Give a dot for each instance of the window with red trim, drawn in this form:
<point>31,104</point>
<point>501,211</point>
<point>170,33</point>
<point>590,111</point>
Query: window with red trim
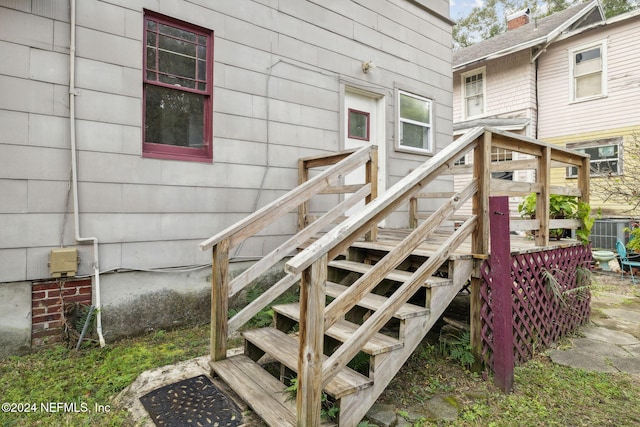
<point>178,88</point>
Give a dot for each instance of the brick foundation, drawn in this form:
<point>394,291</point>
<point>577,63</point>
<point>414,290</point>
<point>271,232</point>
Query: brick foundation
<point>49,300</point>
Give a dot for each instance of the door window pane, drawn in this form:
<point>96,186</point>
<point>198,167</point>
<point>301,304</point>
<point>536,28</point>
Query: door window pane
<point>358,125</point>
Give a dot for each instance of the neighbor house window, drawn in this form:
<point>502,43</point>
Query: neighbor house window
<point>588,72</point>
<point>473,87</point>
<point>501,155</point>
<point>414,122</point>
<point>606,157</point>
<point>178,87</point>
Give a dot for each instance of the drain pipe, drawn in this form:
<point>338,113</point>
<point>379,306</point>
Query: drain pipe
<point>74,170</point>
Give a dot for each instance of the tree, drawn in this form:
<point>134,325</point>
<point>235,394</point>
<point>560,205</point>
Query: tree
<point>625,188</point>
<point>490,19</point>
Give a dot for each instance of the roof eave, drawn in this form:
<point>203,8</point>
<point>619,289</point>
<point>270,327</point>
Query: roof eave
<point>501,53</point>
<point>546,40</point>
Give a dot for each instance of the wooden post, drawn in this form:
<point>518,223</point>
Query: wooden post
<point>480,238</point>
<point>413,212</point>
<point>303,208</point>
<point>501,292</point>
<point>371,177</point>
<point>311,336</point>
<point>220,300</point>
<point>542,199</point>
<point>584,174</point>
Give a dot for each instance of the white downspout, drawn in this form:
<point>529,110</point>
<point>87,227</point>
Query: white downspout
<point>74,171</point>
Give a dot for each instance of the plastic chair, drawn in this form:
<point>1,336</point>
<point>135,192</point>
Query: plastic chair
<point>624,260</point>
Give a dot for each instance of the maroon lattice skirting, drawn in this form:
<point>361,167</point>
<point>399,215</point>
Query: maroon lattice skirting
<point>550,299</point>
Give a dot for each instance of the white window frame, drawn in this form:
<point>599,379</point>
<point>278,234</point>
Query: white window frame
<point>579,146</point>
<point>399,120</point>
<point>603,72</point>
<point>482,71</point>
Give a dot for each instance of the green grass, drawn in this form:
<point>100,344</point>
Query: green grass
<point>92,376</point>
<point>544,394</point>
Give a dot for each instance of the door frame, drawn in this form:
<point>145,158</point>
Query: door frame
<point>379,98</point>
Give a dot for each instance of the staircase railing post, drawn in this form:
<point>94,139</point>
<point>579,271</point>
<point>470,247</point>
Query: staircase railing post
<point>312,304</point>
<point>303,208</point>
<point>219,300</point>
<point>480,237</point>
<point>371,177</point>
<point>543,177</point>
<point>413,212</point>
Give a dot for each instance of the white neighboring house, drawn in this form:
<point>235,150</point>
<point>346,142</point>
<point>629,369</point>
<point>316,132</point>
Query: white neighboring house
<point>183,117</point>
<point>504,81</point>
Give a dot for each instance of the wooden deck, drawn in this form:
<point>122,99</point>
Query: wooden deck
<point>388,239</point>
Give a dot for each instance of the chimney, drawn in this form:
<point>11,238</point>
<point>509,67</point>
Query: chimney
<point>517,19</point>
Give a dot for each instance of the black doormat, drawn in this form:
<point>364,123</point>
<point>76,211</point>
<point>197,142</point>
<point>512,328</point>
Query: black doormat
<point>192,402</point>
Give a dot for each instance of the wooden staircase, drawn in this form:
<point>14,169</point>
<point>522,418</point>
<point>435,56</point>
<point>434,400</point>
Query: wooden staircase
<point>362,297</point>
<point>386,351</point>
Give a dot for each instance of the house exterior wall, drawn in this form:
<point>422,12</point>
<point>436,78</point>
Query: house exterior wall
<point>510,93</point>
<point>510,88</point>
<point>561,117</point>
<point>280,71</point>
<point>559,176</point>
<point>615,115</point>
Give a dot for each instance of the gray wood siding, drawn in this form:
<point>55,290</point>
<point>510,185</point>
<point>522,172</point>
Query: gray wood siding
<point>278,69</point>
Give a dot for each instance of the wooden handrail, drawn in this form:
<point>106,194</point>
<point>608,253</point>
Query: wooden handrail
<point>289,201</point>
<point>348,299</point>
<point>348,231</point>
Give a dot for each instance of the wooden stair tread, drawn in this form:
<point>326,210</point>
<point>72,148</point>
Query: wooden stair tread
<point>260,390</point>
<point>343,329</point>
<point>374,302</point>
<point>396,275</point>
<point>284,348</point>
<point>424,250</point>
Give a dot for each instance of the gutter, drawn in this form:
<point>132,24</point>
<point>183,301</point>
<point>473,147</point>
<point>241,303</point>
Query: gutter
<point>74,171</point>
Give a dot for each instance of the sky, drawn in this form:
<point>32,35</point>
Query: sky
<point>461,8</point>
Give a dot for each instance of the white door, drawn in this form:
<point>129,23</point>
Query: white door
<point>364,125</point>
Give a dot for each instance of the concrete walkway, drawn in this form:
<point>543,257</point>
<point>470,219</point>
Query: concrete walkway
<point>611,341</point>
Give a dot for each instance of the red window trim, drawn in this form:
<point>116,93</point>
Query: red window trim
<point>173,152</point>
<point>349,124</point>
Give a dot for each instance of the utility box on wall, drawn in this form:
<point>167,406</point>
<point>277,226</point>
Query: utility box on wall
<point>63,262</point>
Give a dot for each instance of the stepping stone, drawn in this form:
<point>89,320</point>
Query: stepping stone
<point>609,336</point>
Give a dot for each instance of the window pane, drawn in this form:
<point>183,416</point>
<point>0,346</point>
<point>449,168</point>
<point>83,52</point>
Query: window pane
<point>588,55</point>
<point>151,58</point>
<point>588,85</point>
<point>415,136</point>
<point>414,109</point>
<point>173,117</point>
<point>202,70</point>
<point>177,46</point>
<point>473,85</point>
<point>176,65</point>
<point>177,33</point>
<point>474,106</point>
<point>358,125</point>
<point>588,67</point>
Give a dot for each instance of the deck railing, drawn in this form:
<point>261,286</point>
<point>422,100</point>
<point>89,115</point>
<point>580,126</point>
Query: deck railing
<point>543,159</point>
<point>222,288</point>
